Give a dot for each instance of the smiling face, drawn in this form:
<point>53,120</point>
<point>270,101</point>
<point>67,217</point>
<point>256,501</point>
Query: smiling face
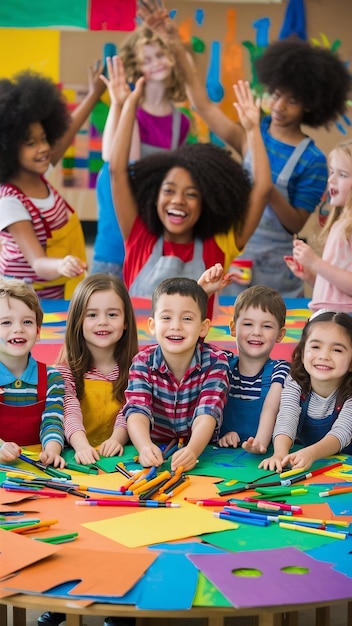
<point>177,324</point>
<point>340,177</point>
<point>179,205</point>
<point>256,332</point>
<point>104,320</point>
<point>35,152</point>
<point>327,356</point>
<point>155,65</point>
<point>18,330</point>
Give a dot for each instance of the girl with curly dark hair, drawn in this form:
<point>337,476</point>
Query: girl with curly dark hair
<point>307,85</point>
<point>41,237</point>
<point>184,210</point>
<point>316,401</point>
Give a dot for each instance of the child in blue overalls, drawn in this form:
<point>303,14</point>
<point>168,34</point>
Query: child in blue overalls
<point>316,402</point>
<point>256,380</point>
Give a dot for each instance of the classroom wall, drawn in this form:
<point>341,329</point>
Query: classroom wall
<point>332,18</point>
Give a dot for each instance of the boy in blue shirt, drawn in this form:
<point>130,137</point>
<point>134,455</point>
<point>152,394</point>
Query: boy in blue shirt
<point>256,380</point>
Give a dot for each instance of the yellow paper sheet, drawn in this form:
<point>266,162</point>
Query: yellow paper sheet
<point>29,48</point>
<point>159,525</point>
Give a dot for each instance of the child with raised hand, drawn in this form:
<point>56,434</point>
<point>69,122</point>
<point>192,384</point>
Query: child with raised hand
<point>178,388</point>
<point>307,85</point>
<point>32,393</point>
<point>256,380</point>
<point>100,341</point>
<point>316,401</point>
<point>191,207</point>
<point>331,274</point>
<point>159,126</point>
<point>41,237</point>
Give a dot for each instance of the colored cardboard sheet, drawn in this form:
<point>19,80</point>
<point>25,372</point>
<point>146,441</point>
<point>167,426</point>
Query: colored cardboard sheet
<point>22,48</point>
<point>272,577</point>
<point>16,14</point>
<point>117,15</point>
<point>338,554</point>
<point>229,464</point>
<point>247,537</point>
<point>340,505</point>
<point>208,595</point>
<point>155,525</point>
<point>96,572</point>
<point>17,552</point>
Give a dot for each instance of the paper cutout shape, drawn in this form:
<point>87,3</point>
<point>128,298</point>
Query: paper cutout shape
<point>273,586</point>
<point>97,572</point>
<point>54,13</point>
<point>231,65</point>
<point>22,48</point>
<point>213,83</point>
<point>16,552</point>
<point>117,15</point>
<point>339,554</point>
<point>156,525</point>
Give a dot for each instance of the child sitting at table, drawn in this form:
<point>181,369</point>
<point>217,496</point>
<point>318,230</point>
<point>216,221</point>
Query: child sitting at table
<point>31,393</point>
<point>256,380</point>
<point>179,387</point>
<point>100,341</point>
<point>316,401</point>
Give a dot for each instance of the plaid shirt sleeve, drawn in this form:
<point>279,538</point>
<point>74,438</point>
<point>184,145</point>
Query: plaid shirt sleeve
<point>215,385</point>
<point>138,394</point>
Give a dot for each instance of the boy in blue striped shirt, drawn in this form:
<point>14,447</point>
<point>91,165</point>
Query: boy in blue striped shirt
<point>31,393</point>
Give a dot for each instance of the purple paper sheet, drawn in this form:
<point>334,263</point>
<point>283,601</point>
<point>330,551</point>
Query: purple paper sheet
<point>273,586</point>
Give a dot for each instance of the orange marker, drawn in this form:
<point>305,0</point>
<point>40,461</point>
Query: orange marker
<point>151,483</point>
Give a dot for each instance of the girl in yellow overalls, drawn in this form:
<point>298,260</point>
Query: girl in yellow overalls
<point>41,239</point>
<point>100,341</point>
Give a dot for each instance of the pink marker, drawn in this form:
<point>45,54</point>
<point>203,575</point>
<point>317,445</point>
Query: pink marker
<point>276,505</point>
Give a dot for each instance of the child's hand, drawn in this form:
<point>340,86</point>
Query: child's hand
<point>50,457</point>
<point>212,279</point>
<point>184,457</point>
<point>273,462</point>
<point>248,110</point>
<point>156,17</point>
<point>254,446</point>
<point>111,447</point>
<point>95,85</point>
<point>302,459</point>
<point>230,440</point>
<point>71,266</point>
<point>9,451</point>
<point>150,455</point>
<point>116,82</point>
<point>86,455</point>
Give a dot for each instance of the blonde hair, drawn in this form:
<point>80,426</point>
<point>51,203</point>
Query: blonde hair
<point>336,212</point>
<point>131,53</point>
<point>75,352</point>
<point>18,289</point>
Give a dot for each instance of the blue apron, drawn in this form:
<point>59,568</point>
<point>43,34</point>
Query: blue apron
<point>242,416</point>
<point>311,430</point>
<point>271,241</point>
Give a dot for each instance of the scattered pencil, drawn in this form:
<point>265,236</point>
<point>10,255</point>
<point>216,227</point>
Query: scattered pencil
<point>130,503</point>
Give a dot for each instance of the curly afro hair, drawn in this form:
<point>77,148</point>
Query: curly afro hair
<point>315,76</point>
<point>223,184</point>
<point>27,98</point>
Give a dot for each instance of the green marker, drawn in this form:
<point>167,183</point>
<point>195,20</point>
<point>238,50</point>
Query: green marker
<point>58,538</point>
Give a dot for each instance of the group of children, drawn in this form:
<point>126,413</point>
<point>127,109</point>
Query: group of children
<point>183,212</point>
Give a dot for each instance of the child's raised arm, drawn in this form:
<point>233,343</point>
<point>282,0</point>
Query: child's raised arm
<point>156,17</point>
<point>124,201</point>
<point>249,114</point>
<point>96,89</point>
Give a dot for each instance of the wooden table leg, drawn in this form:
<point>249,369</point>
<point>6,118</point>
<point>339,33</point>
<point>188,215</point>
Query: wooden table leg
<point>349,614</point>
<point>3,614</point>
<point>291,619</point>
<point>270,619</point>
<point>322,616</point>
<point>73,619</point>
<point>19,616</point>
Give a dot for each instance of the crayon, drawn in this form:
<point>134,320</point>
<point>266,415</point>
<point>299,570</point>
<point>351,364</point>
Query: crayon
<point>151,483</point>
<point>336,491</point>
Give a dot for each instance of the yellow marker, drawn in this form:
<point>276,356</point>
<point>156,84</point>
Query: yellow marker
<point>313,520</point>
<point>313,531</point>
<point>292,472</point>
